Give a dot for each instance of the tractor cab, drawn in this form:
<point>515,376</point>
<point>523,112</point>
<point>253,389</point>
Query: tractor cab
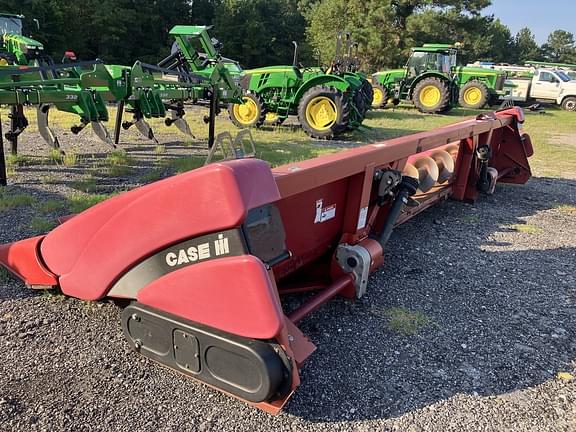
<point>431,58</point>
<point>11,24</point>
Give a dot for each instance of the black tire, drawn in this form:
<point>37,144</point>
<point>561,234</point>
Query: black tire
<point>473,95</point>
<point>7,58</point>
<point>377,90</point>
<point>368,93</point>
<point>569,103</point>
<point>336,122</point>
<point>441,102</point>
<point>255,119</point>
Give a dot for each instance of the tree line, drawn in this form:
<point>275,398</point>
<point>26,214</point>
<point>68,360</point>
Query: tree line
<point>259,32</point>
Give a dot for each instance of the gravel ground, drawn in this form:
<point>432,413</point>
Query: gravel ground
<point>500,304</point>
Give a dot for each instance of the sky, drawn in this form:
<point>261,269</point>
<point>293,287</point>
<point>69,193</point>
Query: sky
<point>540,16</point>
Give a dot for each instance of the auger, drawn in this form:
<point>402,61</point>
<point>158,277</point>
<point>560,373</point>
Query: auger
<point>204,258</point>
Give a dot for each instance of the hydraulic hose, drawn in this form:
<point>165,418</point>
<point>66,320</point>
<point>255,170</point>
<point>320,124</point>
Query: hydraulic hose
<point>406,189</point>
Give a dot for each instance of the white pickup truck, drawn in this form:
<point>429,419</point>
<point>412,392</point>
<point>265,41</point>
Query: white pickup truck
<point>546,86</point>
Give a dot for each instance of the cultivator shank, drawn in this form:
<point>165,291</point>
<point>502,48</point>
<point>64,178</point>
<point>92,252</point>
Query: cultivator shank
<point>225,242</point>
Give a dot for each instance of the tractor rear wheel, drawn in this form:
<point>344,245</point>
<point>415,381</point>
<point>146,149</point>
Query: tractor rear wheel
<point>249,114</point>
<point>323,112</point>
<point>473,95</point>
<point>380,96</point>
<point>569,104</point>
<point>431,95</point>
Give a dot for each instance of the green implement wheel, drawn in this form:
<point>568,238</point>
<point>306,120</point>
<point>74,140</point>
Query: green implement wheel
<point>380,96</point>
<point>473,95</point>
<point>323,112</point>
<point>431,95</point>
<point>251,113</point>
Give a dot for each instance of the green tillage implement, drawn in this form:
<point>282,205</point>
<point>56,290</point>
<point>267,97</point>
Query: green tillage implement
<point>147,91</point>
<point>433,82</point>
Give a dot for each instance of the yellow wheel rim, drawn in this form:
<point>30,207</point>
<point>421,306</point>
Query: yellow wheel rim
<point>472,96</point>
<point>246,113</point>
<point>271,117</point>
<point>430,96</point>
<point>321,113</point>
<point>3,62</point>
<point>378,96</point>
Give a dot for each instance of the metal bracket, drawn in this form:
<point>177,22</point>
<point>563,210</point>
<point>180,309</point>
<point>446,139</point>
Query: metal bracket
<point>238,148</point>
<point>356,260</point>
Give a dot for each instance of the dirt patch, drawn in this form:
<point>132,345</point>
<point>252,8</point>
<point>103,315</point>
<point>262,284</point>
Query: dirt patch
<point>563,139</point>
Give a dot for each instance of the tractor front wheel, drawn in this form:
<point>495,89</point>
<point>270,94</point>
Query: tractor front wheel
<point>249,114</point>
<point>569,104</point>
<point>323,112</point>
<point>7,58</point>
<point>431,95</point>
<point>380,96</point>
<point>473,95</point>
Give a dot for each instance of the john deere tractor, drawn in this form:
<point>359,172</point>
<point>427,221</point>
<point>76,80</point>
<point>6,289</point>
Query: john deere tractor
<point>15,48</point>
<point>325,103</point>
<point>433,82</point>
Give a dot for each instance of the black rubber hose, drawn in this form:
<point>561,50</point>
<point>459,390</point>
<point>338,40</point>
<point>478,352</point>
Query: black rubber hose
<point>406,189</point>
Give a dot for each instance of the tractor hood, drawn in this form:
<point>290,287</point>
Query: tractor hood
<point>390,72</point>
<point>27,42</point>
<point>477,70</point>
<point>270,69</point>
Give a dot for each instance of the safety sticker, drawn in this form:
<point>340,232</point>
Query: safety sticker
<point>324,213</point>
<point>362,217</point>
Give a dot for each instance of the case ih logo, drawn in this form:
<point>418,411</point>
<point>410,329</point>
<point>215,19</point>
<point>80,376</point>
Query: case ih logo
<point>200,252</point>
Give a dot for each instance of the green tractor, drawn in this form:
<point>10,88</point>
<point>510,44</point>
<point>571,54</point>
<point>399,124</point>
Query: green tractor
<point>347,64</point>
<point>433,82</point>
<point>15,48</point>
<point>324,102</point>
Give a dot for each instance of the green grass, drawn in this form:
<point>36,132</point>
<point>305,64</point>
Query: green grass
<point>18,160</point>
<point>567,209</point>
<point>553,136</point>
<point>87,184</point>
<point>79,203</point>
<point>10,201</point>
<point>405,321</point>
<point>152,175</point>
<point>52,206</point>
<point>71,159</point>
<point>526,228</point>
<point>55,157</point>
<point>49,179</point>
<point>471,218</point>
<point>183,164</point>
<point>41,225</point>
<point>117,163</point>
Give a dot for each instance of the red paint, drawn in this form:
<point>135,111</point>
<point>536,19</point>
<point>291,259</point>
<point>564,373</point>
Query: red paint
<point>232,294</point>
<point>90,251</point>
<point>22,259</point>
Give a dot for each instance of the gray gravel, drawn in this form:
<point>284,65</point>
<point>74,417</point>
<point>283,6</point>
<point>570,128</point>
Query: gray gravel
<point>501,305</point>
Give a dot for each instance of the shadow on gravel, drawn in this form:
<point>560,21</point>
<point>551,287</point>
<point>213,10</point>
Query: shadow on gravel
<point>502,311</point>
<point>501,306</point>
